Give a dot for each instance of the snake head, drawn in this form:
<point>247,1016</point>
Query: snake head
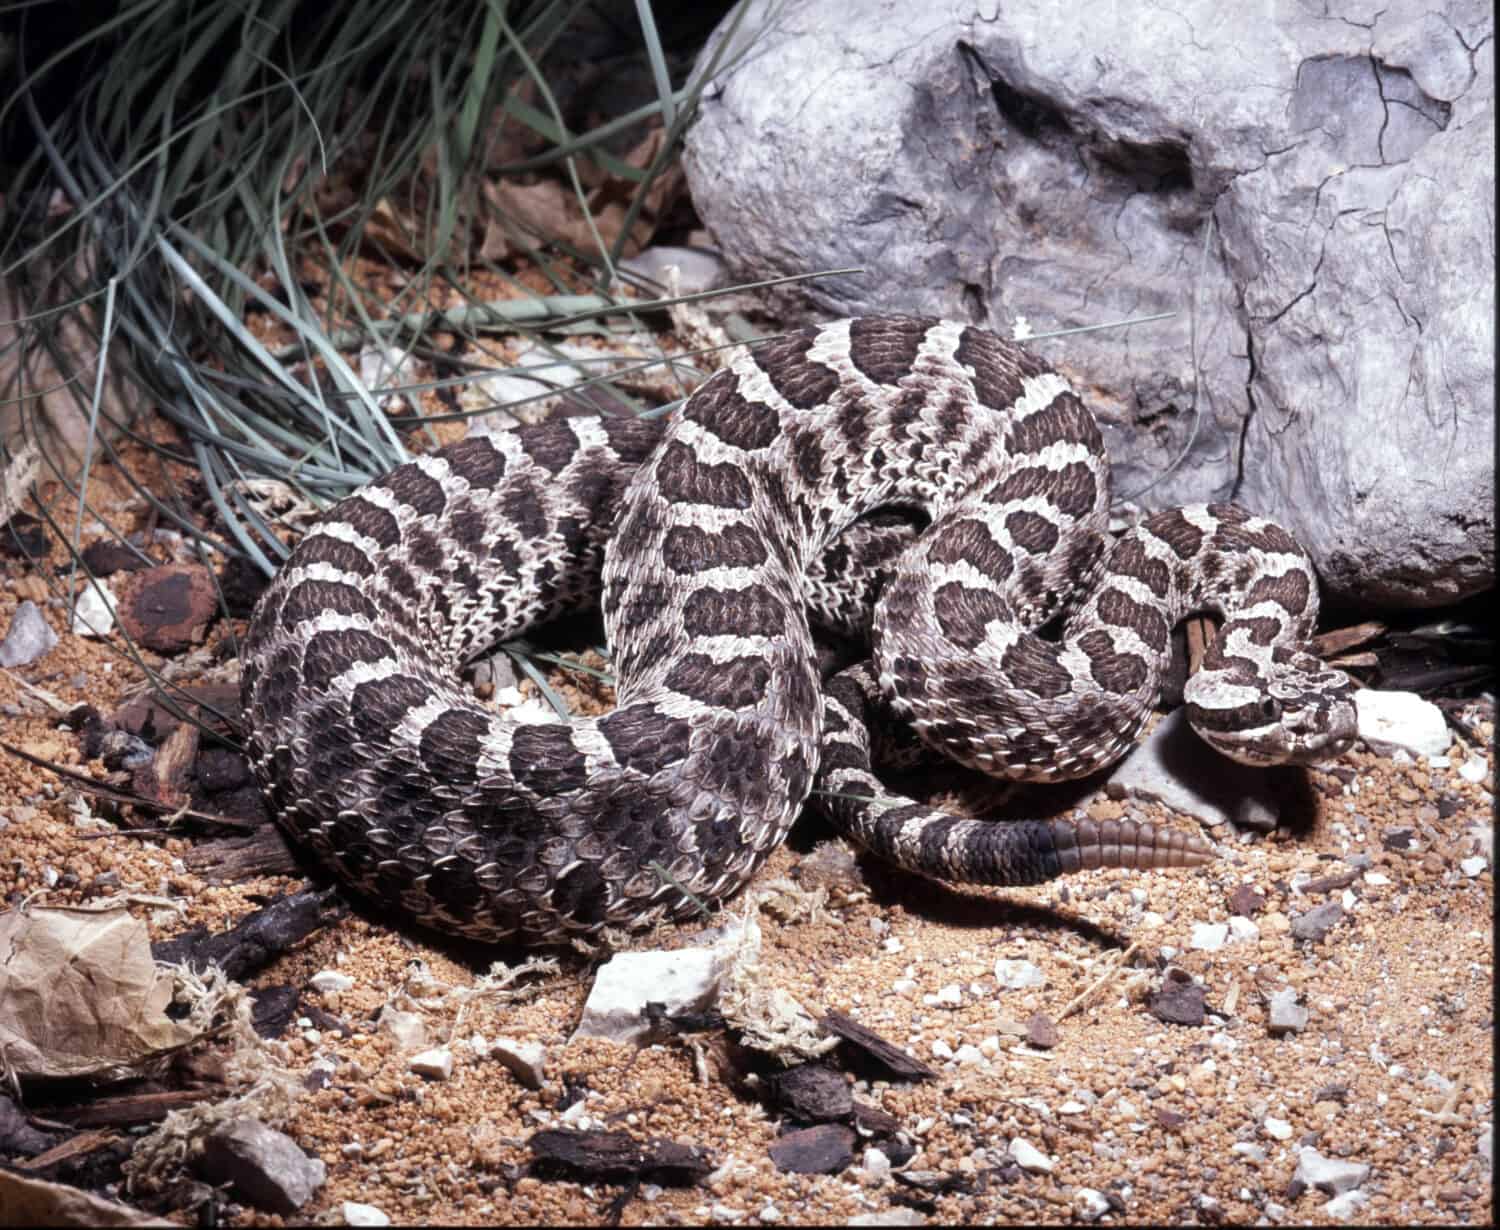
<point>1302,714</point>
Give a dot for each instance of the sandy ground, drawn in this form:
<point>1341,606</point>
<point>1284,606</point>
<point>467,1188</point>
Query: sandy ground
<point>1139,1120</point>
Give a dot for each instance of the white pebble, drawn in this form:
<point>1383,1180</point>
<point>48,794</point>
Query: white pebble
<point>941,1050</point>
<point>1473,769</point>
<point>356,1214</point>
<point>1092,1204</point>
<point>1472,867</point>
<point>876,1163</point>
<point>1028,1157</point>
<point>1017,975</point>
<point>949,996</point>
<point>1377,879</point>
<point>1209,937</point>
<point>968,1055</point>
<point>1243,929</point>
<point>93,611</point>
<point>1278,1129</point>
<point>905,986</point>
<point>327,980</point>
<point>436,1063</point>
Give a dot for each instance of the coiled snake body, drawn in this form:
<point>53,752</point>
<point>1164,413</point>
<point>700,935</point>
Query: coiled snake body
<point>717,534</point>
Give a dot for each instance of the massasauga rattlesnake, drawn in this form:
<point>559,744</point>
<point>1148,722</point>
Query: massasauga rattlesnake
<point>709,540</point>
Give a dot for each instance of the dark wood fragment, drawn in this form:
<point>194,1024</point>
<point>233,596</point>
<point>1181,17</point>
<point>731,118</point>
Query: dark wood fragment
<point>251,943</point>
<point>24,537</point>
<point>74,1147</point>
<point>230,860</point>
<point>1329,884</point>
<point>167,607</point>
<point>868,1046</point>
<point>616,1157</point>
<point>129,1108</point>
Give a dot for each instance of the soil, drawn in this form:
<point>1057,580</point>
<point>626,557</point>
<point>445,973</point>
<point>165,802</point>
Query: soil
<point>1136,1119</point>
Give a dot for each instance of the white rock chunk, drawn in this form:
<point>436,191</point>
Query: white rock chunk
<point>526,1060</point>
<point>407,1028</point>
<point>1017,975</point>
<point>1401,721</point>
<point>683,980</point>
<point>1209,937</point>
<point>331,981</point>
<point>93,611</point>
<point>356,1214</point>
<point>1028,1157</point>
<point>436,1064</point>
<point>1332,1175</point>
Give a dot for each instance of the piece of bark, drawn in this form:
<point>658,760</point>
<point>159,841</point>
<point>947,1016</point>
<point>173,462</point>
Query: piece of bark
<point>616,1157</point>
<point>1326,644</point>
<point>129,1108</point>
<point>75,1146</point>
<point>870,1047</point>
<point>232,860</point>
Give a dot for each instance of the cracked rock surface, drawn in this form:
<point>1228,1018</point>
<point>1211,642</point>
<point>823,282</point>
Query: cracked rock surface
<point>1024,164</point>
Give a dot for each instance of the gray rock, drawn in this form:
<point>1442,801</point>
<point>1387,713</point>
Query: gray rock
<point>30,637</point>
<point>698,269</point>
<point>265,1165</point>
<point>1318,922</point>
<point>1287,1016</point>
<point>1331,1175</point>
<point>980,166</point>
<point>1177,768</point>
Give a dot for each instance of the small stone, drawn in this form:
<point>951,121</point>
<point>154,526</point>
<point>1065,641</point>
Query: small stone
<point>1286,1015</point>
<point>1474,769</point>
<point>968,1055</point>
<point>1277,1129</point>
<point>1092,1204</point>
<point>1242,930</point>
<point>266,1166</point>
<point>1250,1150</point>
<point>330,981</point>
<point>356,1214</point>
<point>825,1149</point>
<point>950,996</point>
<point>408,1029</point>
<point>877,1165</point>
<point>1018,975</point>
<point>1474,866</point>
<point>1041,1031</point>
<point>168,608</point>
<point>30,637</point>
<point>436,1064</point>
<point>941,1050</point>
<point>1208,937</point>
<point>1392,721</point>
<point>94,611</point>
<point>897,1215</point>
<point>527,1061</point>
<point>1180,1001</point>
<point>1316,923</point>
<point>1346,1206</point>
<point>1331,1175</point>
<point>1246,901</point>
<point>1028,1157</point>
